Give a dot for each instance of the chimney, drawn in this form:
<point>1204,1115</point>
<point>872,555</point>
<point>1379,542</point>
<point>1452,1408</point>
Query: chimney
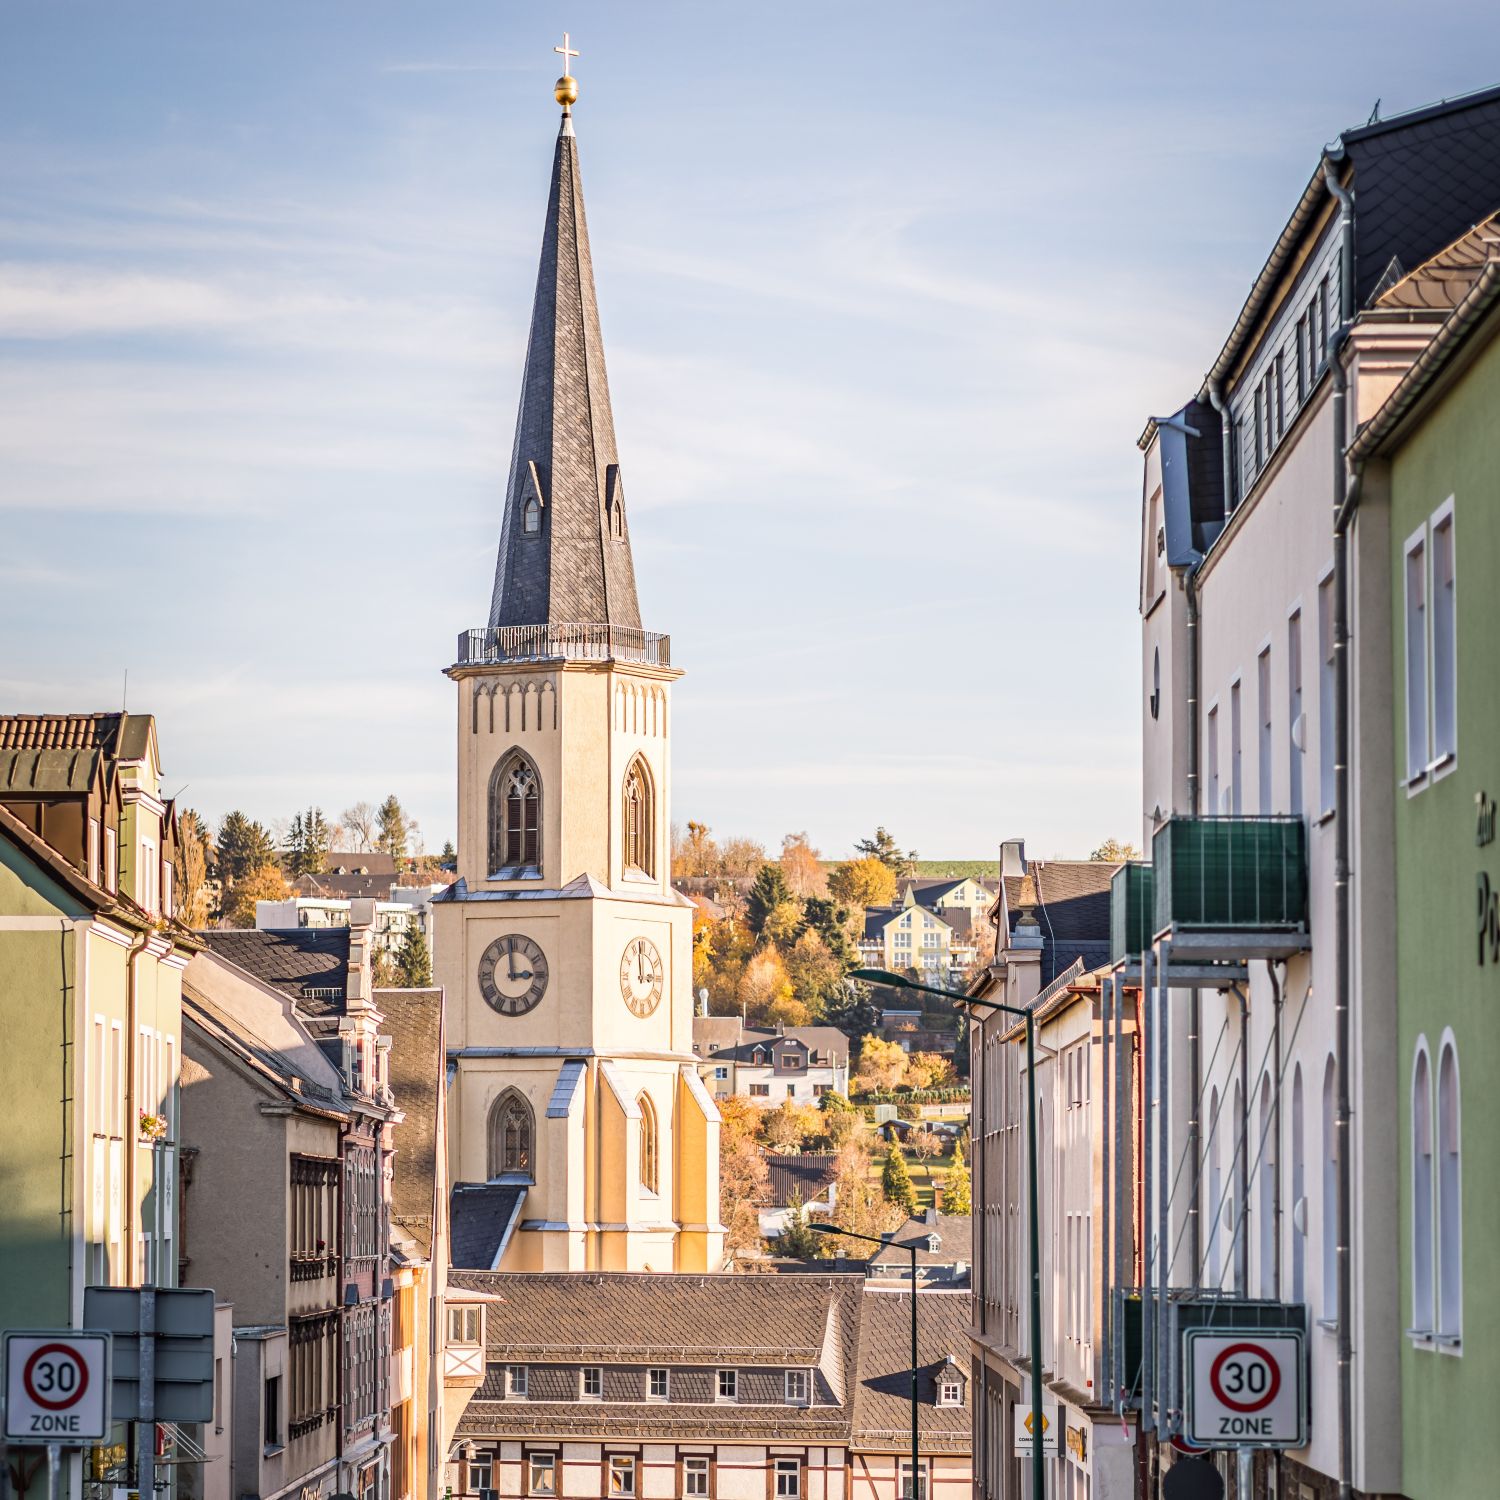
<point>360,985</point>
<point>930,1217</point>
<point>1013,858</point>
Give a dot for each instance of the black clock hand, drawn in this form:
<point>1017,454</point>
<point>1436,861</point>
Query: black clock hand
<point>640,964</point>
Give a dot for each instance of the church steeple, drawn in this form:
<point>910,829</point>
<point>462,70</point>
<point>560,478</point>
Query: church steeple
<point>564,540</point>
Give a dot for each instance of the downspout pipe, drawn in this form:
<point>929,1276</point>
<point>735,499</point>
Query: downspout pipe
<point>1346,498</point>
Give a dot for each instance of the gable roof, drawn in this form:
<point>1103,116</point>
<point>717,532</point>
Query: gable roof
<point>803,1177</point>
<point>482,1217</point>
<point>1071,907</point>
<point>120,736</point>
<point>307,963</point>
<point>882,1397</point>
<point>954,1231</point>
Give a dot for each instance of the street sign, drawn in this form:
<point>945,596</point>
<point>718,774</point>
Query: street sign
<point>1026,1424</point>
<point>166,1332</point>
<point>1246,1388</point>
<point>57,1388</point>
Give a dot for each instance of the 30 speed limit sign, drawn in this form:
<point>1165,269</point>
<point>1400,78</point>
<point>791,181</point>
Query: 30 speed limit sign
<point>57,1387</point>
<point>1245,1388</point>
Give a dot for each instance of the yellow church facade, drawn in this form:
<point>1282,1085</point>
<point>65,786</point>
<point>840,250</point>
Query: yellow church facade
<point>580,1135</point>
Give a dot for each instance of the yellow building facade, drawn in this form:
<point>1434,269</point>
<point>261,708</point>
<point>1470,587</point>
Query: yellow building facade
<point>580,1135</point>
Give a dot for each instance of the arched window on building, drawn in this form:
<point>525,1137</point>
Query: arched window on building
<point>1215,1190</point>
<point>511,1133</point>
<point>1267,1206</point>
<point>531,517</point>
<point>1299,1192</point>
<point>1238,1257</point>
<point>649,1173</point>
<point>1329,1233</point>
<point>640,819</point>
<point>515,817</point>
<point>1450,1276</point>
<point>1423,1302</point>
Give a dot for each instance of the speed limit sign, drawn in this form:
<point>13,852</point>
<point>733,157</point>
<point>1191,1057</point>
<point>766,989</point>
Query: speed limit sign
<point>57,1387</point>
<point>1246,1388</point>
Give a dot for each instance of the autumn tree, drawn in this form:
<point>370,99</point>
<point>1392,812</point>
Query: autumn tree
<point>882,1066</point>
<point>863,882</point>
<point>924,1144</point>
<point>768,892</point>
<point>413,959</point>
<point>190,863</point>
<point>307,843</point>
<point>884,848</point>
<point>1114,852</point>
<point>896,1183</point>
<point>265,883</point>
<point>361,822</point>
<point>842,1123</point>
<point>956,1187</point>
<point>797,1237</point>
<point>764,986</point>
<point>742,1174</point>
<point>787,1011</point>
<point>789,1125</point>
<point>862,1207</point>
<point>243,845</point>
<point>722,948</point>
<point>816,975</point>
<point>802,866</point>
<point>694,853</point>
<point>740,859</point>
<point>928,1070</point>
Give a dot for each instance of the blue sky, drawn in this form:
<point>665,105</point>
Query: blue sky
<point>888,292</point>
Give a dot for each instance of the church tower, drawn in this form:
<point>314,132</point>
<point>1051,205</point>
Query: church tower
<point>565,953</point>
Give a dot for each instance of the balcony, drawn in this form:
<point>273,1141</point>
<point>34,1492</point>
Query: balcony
<point>1132,908</point>
<point>496,645</point>
<point>1232,887</point>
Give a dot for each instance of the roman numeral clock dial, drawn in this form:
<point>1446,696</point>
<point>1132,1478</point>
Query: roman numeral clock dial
<point>513,975</point>
<point>641,976</point>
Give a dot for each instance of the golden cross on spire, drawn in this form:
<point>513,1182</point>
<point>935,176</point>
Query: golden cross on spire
<point>566,91</point>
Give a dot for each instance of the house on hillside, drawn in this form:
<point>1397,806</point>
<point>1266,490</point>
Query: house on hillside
<point>801,1063</point>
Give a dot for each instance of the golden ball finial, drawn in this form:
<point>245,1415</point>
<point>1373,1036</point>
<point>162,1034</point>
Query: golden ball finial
<point>565,91</point>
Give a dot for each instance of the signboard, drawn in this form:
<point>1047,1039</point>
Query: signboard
<point>1026,1424</point>
<point>1246,1388</point>
<point>57,1388</point>
<point>170,1337</point>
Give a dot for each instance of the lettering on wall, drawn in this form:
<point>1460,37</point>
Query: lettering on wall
<point>1489,898</point>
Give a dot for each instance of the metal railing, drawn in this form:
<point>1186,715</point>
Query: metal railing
<point>576,642</point>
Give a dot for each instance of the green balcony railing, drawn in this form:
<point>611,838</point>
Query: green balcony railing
<point>1218,873</point>
<point>1131,910</point>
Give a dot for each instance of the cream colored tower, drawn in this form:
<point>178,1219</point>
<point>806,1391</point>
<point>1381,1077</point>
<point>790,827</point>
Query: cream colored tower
<point>564,951</point>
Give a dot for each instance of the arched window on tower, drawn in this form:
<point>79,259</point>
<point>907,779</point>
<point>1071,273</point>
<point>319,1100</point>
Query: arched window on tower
<point>640,819</point>
<point>511,1131</point>
<point>649,1176</point>
<point>1450,1298</point>
<point>515,817</point>
<point>531,517</point>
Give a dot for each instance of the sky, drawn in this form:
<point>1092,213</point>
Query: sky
<point>888,293</point>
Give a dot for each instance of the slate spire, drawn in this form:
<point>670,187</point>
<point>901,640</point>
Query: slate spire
<point>564,540</point>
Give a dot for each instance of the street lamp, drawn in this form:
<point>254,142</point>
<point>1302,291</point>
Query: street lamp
<point>911,1249</point>
<point>900,982</point>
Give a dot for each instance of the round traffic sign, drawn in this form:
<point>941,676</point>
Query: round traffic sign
<point>1245,1377</point>
<point>55,1377</point>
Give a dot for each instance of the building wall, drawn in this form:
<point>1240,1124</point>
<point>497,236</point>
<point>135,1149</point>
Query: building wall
<point>1441,984</point>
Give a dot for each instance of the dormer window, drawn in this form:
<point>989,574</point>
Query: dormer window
<point>934,1244</point>
<point>950,1393</point>
<point>531,517</point>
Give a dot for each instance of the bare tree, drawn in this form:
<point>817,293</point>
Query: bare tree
<point>360,822</point>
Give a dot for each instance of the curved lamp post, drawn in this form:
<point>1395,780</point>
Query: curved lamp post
<point>900,982</point>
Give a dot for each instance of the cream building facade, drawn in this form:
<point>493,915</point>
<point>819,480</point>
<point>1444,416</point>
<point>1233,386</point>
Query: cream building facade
<point>579,1128</point>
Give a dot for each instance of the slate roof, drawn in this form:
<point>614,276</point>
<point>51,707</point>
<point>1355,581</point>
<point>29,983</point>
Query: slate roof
<point>575,570</point>
<point>736,1042</point>
<point>1447,278</point>
<point>882,1399</point>
<point>955,1231</point>
<point>414,1022</point>
<point>298,961</point>
<point>482,1216</point>
<point>53,773</point>
<point>637,1318</point>
<point>1072,910</point>
<point>803,1176</point>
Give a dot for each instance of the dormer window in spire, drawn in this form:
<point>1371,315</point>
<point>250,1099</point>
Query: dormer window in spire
<point>614,502</point>
<point>531,517</point>
<point>515,818</point>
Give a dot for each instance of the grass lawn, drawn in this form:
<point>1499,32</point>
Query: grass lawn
<point>926,1176</point>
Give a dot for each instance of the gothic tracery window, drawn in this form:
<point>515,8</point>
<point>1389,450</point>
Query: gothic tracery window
<point>648,1144</point>
<point>640,834</point>
<point>510,1135</point>
<point>515,816</point>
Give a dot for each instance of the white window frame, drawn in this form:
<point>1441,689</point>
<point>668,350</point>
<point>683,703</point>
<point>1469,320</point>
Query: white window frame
<point>1417,692</point>
<point>517,1382</point>
<point>1423,1199</point>
<point>1211,741</point>
<point>462,1317</point>
<point>797,1387</point>
<point>481,1474</point>
<point>1236,749</point>
<point>548,1459</point>
<point>1296,711</point>
<point>584,1393</point>
<point>788,1473</point>
<point>625,1466</point>
<point>111,861</point>
<point>1327,688</point>
<point>731,1378</point>
<point>662,1375</point>
<point>696,1467</point>
<point>950,1392</point>
<point>1328,1301</point>
<point>1265,726</point>
<point>1442,614</point>
<point>903,1479</point>
<point>1448,1183</point>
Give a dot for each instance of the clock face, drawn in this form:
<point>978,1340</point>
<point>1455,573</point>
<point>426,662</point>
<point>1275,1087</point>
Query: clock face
<point>641,976</point>
<point>513,975</point>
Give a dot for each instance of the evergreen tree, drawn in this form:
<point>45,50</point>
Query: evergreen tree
<point>243,846</point>
<point>395,828</point>
<point>831,923</point>
<point>413,960</point>
<point>768,892</point>
<point>854,1013</point>
<point>884,848</point>
<point>956,1199</point>
<point>896,1183</point>
<point>448,859</point>
<point>797,1238</point>
<point>307,843</point>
